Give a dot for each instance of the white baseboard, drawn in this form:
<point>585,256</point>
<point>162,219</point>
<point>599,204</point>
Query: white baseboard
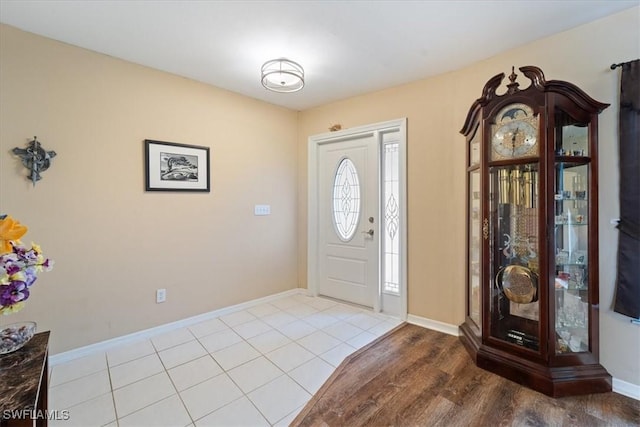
<point>626,389</point>
<point>445,328</point>
<point>67,356</point>
<point>619,386</point>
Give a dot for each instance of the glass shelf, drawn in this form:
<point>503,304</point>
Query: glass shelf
<point>572,199</point>
<point>571,160</point>
<point>573,289</point>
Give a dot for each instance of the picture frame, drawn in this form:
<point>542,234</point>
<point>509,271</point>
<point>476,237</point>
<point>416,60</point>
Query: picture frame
<point>170,166</point>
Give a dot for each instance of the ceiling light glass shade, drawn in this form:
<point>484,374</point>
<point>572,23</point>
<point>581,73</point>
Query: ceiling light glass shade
<point>282,75</point>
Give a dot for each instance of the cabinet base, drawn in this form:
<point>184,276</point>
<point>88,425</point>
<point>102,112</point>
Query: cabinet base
<point>552,381</point>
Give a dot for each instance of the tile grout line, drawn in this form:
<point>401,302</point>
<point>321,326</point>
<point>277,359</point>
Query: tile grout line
<point>113,397</point>
<point>246,394</point>
<point>166,371</point>
<point>157,353</point>
<point>298,317</point>
<point>246,340</point>
<point>224,371</point>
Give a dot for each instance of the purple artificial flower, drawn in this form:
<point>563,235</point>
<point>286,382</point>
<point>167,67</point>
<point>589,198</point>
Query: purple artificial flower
<point>13,293</point>
<point>19,268</point>
<point>12,268</point>
<point>8,258</point>
<point>30,256</point>
<point>5,295</point>
<point>30,276</point>
<point>18,250</point>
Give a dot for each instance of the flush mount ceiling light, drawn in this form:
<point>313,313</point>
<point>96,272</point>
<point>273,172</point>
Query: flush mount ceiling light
<point>282,75</point>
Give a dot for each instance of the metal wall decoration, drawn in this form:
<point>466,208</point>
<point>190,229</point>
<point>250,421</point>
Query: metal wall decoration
<point>35,158</point>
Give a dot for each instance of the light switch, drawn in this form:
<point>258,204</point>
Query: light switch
<point>262,210</point>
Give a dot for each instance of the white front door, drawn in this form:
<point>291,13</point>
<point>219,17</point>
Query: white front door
<point>357,216</point>
<point>348,216</point>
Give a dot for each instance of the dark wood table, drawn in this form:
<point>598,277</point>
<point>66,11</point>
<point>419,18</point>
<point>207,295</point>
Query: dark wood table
<point>23,384</point>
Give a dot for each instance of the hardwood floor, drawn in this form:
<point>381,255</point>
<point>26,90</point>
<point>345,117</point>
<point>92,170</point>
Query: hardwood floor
<point>414,376</point>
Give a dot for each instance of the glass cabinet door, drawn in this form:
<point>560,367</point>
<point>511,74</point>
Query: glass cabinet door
<point>572,137</point>
<point>571,235</point>
<point>513,252</point>
<point>475,215</point>
<point>474,244</point>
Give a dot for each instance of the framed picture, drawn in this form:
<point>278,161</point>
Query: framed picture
<point>176,167</point>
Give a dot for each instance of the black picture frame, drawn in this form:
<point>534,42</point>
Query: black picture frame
<point>170,166</point>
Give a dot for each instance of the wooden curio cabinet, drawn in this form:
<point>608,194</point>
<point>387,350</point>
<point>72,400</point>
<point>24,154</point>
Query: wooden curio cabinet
<point>532,235</point>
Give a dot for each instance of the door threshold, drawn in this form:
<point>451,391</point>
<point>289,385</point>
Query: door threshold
<point>360,306</point>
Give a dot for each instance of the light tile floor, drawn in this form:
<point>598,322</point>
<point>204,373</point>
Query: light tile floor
<point>255,367</point>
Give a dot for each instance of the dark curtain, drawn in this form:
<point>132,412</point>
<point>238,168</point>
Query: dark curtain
<point>627,300</point>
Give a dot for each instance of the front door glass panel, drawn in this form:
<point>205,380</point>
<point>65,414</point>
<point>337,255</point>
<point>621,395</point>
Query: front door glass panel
<point>346,199</point>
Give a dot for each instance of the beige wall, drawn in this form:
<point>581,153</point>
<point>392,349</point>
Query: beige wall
<point>436,109</point>
<point>114,244</point>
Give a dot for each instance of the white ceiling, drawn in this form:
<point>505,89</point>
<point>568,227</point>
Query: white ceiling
<point>346,47</point>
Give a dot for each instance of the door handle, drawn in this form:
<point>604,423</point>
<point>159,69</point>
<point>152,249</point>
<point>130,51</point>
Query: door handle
<point>370,232</point>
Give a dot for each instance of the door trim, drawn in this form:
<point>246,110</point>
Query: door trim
<point>314,142</point>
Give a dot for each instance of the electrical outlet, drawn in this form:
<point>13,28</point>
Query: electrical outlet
<point>161,295</point>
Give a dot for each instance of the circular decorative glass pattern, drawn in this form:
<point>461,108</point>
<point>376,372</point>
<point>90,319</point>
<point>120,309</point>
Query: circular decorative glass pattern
<point>346,199</point>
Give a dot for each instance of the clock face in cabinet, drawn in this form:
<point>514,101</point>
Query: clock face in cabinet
<point>515,133</point>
